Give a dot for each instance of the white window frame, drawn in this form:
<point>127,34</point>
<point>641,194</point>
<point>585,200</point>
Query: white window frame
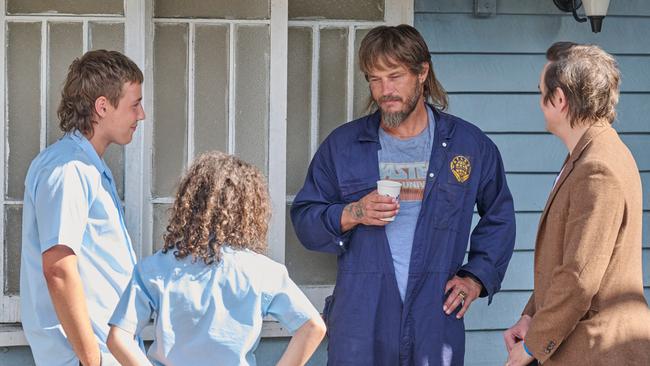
<point>396,12</point>
<point>10,305</point>
<point>138,44</point>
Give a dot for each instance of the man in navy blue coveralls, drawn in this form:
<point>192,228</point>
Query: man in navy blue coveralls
<point>402,288</point>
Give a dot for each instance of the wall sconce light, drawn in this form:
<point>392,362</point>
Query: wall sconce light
<point>595,10</point>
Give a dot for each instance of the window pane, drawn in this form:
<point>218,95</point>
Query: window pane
<point>12,245</point>
<point>65,6</point>
<point>241,9</point>
<point>160,221</point>
<point>337,9</point>
<point>252,94</point>
<point>66,44</point>
<point>23,103</point>
<point>211,88</point>
<point>299,107</point>
<point>361,90</point>
<point>332,80</point>
<point>170,107</point>
<point>109,36</point>
<point>307,267</point>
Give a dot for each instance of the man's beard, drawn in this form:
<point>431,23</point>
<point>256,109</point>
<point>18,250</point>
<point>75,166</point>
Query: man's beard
<point>394,119</point>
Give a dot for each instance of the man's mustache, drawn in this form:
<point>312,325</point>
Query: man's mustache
<point>390,98</point>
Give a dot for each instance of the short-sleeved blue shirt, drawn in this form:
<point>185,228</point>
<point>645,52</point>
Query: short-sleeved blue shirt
<point>209,314</point>
<point>71,199</point>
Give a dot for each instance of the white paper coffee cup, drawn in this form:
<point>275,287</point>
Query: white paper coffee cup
<point>389,188</point>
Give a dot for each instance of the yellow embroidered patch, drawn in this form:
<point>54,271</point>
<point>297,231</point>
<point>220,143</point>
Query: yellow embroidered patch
<point>461,167</point>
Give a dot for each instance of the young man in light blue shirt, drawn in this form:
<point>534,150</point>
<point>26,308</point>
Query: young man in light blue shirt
<point>77,256</point>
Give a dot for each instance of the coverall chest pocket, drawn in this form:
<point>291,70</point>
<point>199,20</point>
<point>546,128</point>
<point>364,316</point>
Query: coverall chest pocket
<point>353,191</point>
<point>448,206</point>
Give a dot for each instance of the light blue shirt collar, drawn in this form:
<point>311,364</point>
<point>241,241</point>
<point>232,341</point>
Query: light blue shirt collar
<point>88,148</point>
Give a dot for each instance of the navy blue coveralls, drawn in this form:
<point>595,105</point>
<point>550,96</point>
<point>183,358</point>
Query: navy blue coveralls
<point>367,322</point>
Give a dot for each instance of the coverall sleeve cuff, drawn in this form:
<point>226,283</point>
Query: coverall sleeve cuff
<point>333,223</point>
<point>490,283</point>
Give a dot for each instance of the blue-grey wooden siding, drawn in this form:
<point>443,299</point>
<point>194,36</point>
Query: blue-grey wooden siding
<point>490,67</point>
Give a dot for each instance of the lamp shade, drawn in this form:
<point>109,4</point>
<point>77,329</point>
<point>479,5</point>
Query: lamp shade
<point>595,8</point>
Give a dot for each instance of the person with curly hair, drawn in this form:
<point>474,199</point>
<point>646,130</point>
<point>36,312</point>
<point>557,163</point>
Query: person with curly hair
<point>210,286</point>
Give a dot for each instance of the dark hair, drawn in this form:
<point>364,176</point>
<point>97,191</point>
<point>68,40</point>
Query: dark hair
<point>588,77</point>
<point>402,44</point>
<point>95,74</point>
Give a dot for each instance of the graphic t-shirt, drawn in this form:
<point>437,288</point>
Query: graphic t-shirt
<point>405,161</point>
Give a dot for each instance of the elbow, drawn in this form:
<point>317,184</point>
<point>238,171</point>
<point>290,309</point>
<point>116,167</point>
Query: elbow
<point>117,340</point>
<point>317,328</point>
<point>54,273</point>
<point>59,264</point>
<point>112,341</point>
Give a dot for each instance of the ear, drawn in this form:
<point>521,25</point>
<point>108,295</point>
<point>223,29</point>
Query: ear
<point>560,100</point>
<point>425,71</point>
<point>101,104</point>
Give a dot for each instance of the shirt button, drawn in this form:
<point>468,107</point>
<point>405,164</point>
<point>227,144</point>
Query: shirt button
<point>444,144</point>
<point>341,243</point>
<point>431,175</point>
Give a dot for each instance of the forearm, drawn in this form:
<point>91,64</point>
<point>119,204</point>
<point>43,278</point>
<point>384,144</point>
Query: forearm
<point>350,216</point>
<point>303,343</point>
<point>125,349</point>
<point>67,294</point>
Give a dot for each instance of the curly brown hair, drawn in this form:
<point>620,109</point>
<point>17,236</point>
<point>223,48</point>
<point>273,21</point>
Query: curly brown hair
<point>221,200</point>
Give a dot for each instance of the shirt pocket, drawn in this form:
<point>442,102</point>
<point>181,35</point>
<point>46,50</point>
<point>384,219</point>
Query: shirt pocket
<point>448,206</point>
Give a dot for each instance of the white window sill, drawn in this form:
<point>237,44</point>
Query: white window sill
<point>12,335</point>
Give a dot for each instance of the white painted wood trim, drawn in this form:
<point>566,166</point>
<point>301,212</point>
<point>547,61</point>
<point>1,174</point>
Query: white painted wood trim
<point>315,65</point>
<point>350,73</point>
<point>164,200</point>
<point>277,142</point>
<point>45,32</point>
<point>231,87</point>
<point>138,37</point>
<point>4,300</point>
<point>13,335</point>
<point>86,36</point>
<point>399,12</point>
<point>190,92</point>
<point>50,17</point>
<point>214,21</point>
<point>333,23</point>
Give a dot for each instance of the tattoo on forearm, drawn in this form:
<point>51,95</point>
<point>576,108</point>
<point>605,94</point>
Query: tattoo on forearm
<point>356,210</point>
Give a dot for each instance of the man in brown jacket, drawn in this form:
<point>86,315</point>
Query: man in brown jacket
<point>587,307</point>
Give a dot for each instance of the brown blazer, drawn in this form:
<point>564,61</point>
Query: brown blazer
<point>588,306</point>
